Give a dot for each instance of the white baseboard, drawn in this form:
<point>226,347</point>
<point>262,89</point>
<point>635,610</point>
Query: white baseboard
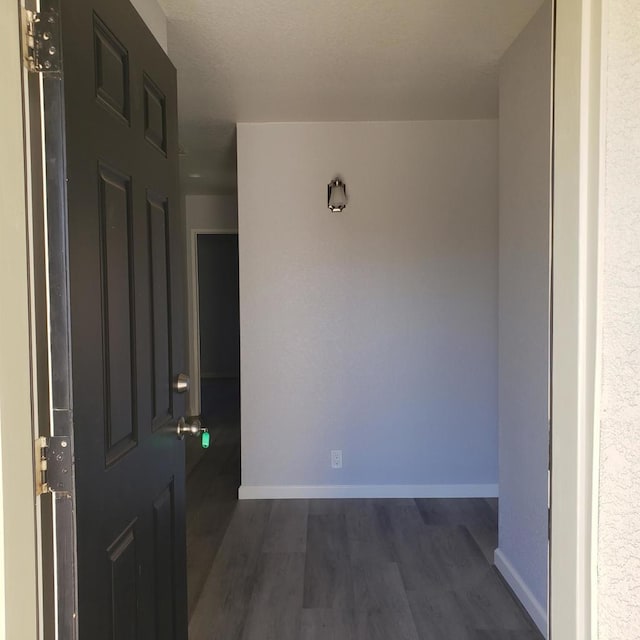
<point>522,591</point>
<point>259,492</point>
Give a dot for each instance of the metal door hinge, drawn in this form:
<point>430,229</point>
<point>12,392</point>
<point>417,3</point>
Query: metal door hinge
<point>41,37</point>
<point>53,465</point>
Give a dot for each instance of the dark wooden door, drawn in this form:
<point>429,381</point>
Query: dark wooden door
<point>125,244</point>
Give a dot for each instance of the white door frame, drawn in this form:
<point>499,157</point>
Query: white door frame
<point>19,588</point>
<point>575,387</point>
<point>577,171</point>
<point>195,406</point>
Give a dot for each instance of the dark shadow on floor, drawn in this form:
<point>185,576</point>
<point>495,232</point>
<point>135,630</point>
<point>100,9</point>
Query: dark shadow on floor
<point>212,484</point>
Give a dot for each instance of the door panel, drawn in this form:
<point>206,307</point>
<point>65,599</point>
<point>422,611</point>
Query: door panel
<point>158,213</point>
<point>124,585</point>
<point>155,116</point>
<point>127,341</point>
<point>114,203</point>
<point>164,546</point>
<point>111,70</point>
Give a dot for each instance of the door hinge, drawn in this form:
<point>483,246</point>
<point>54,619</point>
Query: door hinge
<point>53,465</point>
<point>41,42</point>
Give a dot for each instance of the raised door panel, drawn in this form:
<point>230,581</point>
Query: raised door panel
<point>158,247</point>
<point>118,333</point>
<point>124,585</point>
<point>164,564</point>
<point>155,115</point>
<point>111,71</point>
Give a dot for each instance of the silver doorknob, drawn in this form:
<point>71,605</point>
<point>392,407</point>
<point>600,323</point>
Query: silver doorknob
<point>194,429</point>
<point>181,383</point>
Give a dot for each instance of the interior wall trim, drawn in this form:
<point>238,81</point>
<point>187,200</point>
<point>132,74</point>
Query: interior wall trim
<point>263,492</point>
<point>522,591</point>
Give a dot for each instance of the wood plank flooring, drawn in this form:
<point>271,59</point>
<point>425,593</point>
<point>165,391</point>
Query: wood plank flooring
<point>343,569</point>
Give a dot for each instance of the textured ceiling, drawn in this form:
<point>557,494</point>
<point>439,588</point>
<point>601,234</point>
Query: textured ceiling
<point>319,60</point>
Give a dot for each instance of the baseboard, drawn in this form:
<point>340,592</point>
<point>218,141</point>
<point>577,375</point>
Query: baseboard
<point>260,492</point>
<point>522,591</point>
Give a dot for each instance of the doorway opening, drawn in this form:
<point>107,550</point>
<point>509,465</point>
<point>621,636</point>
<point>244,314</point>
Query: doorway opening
<point>219,328</point>
<point>368,525</point>
<point>213,472</point>
<point>417,320</point>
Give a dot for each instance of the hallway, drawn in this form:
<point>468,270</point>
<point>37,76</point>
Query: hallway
<point>345,569</point>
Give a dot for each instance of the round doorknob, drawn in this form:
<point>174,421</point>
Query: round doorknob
<point>194,430</point>
<point>181,383</point>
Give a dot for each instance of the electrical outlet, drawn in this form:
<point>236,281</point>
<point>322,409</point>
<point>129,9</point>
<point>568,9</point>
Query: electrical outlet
<point>336,459</point>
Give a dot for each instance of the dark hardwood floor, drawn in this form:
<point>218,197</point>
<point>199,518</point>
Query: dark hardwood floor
<point>341,569</point>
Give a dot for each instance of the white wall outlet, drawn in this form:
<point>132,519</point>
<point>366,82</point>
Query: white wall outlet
<point>336,459</point>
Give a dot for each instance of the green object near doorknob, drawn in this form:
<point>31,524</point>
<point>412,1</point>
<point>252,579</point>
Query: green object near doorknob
<point>205,439</point>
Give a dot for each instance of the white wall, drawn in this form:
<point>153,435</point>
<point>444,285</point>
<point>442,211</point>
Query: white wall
<point>153,15</point>
<point>212,212</point>
<point>373,331</point>
<point>524,230</point>
<point>619,516</point>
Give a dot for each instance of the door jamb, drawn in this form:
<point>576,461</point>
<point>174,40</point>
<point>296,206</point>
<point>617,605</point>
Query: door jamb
<point>20,612</point>
<point>577,203</point>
